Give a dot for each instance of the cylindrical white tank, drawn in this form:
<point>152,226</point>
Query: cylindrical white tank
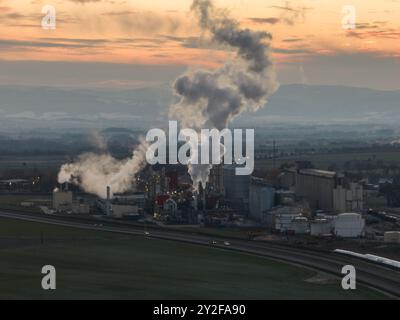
<point>349,225</point>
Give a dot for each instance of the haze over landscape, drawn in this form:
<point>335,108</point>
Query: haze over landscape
<point>117,62</point>
<point>145,107</point>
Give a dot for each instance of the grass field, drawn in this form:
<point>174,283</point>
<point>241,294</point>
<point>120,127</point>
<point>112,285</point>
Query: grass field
<point>103,265</point>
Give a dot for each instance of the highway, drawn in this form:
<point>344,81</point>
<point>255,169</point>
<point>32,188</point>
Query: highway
<point>372,275</point>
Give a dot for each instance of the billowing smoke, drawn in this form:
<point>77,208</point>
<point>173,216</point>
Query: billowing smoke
<point>94,172</point>
<point>209,99</point>
<point>212,99</point>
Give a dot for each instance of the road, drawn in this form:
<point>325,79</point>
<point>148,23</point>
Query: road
<point>369,274</point>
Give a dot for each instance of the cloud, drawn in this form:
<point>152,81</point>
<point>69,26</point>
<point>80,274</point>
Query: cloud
<point>293,40</point>
<point>367,25</point>
<point>120,13</point>
<point>291,51</point>
<point>9,44</point>
<point>4,9</point>
<point>84,1</point>
<point>87,42</point>
<point>290,14</point>
<point>14,15</point>
<point>385,34</point>
<point>144,22</point>
<point>271,20</point>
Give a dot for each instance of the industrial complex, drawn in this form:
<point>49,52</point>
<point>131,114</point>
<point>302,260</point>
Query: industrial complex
<point>296,200</point>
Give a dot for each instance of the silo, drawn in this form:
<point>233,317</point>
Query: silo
<point>349,225</point>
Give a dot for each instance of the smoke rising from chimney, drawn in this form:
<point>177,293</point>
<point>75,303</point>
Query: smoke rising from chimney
<point>94,172</point>
<point>212,99</point>
<point>208,100</point>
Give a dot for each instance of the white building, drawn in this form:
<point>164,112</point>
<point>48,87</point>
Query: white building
<point>349,225</point>
<point>348,199</point>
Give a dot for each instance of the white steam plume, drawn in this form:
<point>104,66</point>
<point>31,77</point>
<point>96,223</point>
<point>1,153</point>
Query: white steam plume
<point>209,99</point>
<point>212,99</point>
<point>94,172</point>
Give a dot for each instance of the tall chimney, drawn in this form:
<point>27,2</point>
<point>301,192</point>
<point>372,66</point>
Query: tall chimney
<point>204,200</point>
<point>195,201</point>
<point>108,201</point>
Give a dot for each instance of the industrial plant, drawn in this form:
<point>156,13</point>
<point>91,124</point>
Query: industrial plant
<point>296,201</point>
<point>199,149</point>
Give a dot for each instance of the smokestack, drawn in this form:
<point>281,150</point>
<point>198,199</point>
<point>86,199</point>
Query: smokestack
<point>195,204</point>
<point>108,193</point>
<point>66,186</point>
<point>108,201</point>
<point>204,200</point>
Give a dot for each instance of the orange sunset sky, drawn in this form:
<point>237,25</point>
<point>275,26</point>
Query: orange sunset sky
<point>307,35</point>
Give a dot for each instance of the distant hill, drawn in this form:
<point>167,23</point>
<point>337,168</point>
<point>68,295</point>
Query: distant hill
<point>106,107</point>
<point>333,102</point>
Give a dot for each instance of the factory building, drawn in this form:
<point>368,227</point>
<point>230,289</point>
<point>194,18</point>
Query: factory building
<point>136,198</point>
<point>316,186</point>
<point>324,190</point>
<point>62,199</point>
<point>215,184</point>
<point>348,199</point>
<point>236,188</point>
<point>121,211</point>
<point>321,227</point>
<point>280,218</point>
<point>392,237</point>
<point>80,208</point>
<point>291,223</point>
<point>261,199</point>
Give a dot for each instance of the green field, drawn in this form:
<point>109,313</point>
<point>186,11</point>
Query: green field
<point>103,265</point>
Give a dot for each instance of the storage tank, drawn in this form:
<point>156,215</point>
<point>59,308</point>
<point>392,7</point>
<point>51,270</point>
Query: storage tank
<point>349,225</point>
<point>320,227</point>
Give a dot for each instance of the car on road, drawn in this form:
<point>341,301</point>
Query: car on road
<point>226,243</point>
